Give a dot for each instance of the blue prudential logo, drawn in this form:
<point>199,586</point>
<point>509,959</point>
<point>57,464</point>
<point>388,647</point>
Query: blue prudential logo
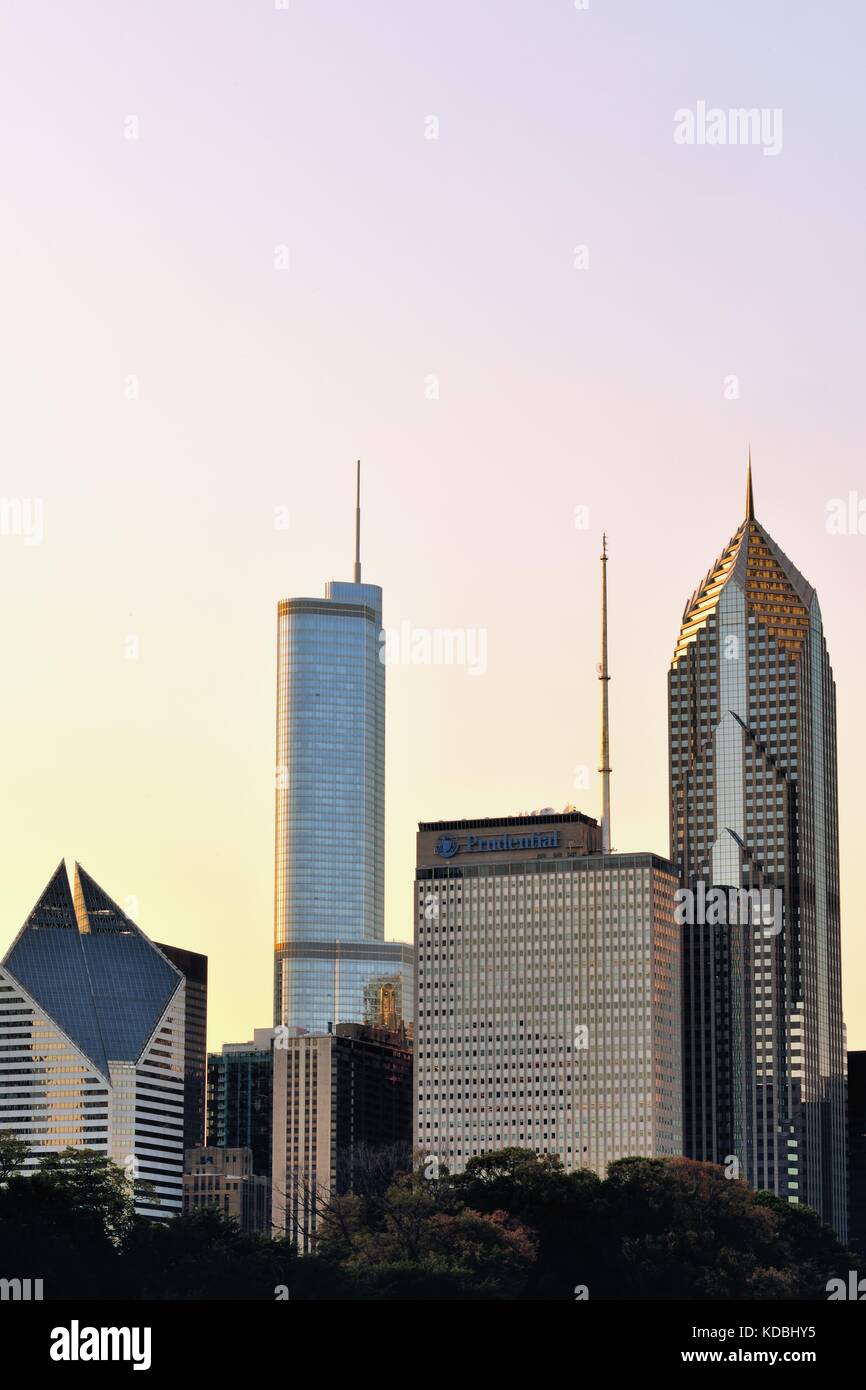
<point>446,847</point>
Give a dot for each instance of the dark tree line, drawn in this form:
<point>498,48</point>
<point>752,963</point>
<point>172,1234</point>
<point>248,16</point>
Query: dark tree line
<point>512,1226</point>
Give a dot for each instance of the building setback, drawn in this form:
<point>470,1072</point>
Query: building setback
<point>753,804</point>
<point>92,1024</point>
<point>548,995</point>
<point>193,967</point>
<point>342,1120</point>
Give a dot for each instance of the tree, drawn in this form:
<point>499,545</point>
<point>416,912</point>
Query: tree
<point>13,1152</point>
<point>66,1222</point>
<point>95,1188</point>
<point>418,1240</point>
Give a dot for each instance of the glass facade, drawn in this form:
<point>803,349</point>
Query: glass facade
<point>240,1098</point>
<point>752,734</point>
<point>329,930</point>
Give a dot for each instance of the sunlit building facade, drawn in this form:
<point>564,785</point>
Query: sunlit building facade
<point>548,994</point>
<point>92,1021</point>
<point>753,805</point>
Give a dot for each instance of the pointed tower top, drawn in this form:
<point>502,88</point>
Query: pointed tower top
<point>358,524</point>
<point>750,500</point>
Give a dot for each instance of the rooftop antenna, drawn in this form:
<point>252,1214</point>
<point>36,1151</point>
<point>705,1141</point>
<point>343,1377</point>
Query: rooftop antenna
<point>750,497</point>
<point>358,524</point>
<point>605,725</point>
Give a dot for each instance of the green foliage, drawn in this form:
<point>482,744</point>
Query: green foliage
<point>513,1225</point>
<point>13,1152</point>
<point>420,1225</point>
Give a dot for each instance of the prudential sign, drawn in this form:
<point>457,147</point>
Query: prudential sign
<point>447,845</point>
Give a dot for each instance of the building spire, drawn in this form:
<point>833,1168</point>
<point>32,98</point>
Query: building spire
<point>750,501</point>
<point>605,726</point>
<point>358,524</point>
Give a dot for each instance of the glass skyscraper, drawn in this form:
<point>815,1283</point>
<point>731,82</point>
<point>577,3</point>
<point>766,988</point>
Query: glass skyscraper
<point>92,1024</point>
<point>330,811</point>
<point>240,1086</point>
<point>752,720</point>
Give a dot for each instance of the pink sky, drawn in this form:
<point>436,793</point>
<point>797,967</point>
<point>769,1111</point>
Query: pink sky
<point>146,267</point>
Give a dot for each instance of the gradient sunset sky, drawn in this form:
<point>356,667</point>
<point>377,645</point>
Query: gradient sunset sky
<point>234,258</point>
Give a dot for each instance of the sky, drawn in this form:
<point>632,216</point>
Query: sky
<point>245,243</point>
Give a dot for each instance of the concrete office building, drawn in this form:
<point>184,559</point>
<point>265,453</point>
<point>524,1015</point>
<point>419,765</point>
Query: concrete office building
<point>548,994</point>
<point>223,1180</point>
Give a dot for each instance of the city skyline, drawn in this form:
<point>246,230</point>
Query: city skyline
<point>587,799</point>
<point>187,412</point>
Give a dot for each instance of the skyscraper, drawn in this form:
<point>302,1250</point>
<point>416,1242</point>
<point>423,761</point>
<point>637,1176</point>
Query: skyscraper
<point>548,995</point>
<point>92,1019</point>
<point>329,922</point>
<point>752,722</point>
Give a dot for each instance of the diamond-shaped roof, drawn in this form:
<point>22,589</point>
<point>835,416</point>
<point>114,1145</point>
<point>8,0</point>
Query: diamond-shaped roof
<point>92,970</point>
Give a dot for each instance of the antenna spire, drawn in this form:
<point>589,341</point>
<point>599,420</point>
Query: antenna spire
<point>358,523</point>
<point>605,724</point>
<point>750,500</point>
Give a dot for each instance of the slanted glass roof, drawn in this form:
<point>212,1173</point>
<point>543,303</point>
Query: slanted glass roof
<point>92,970</point>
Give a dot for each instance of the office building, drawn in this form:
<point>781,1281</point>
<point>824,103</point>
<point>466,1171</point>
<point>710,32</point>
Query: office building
<point>342,1120</point>
<point>753,806</point>
<point>193,967</point>
<point>224,1180</point>
<point>92,1026</point>
<point>240,1098</point>
<point>330,810</point>
<point>548,994</point>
